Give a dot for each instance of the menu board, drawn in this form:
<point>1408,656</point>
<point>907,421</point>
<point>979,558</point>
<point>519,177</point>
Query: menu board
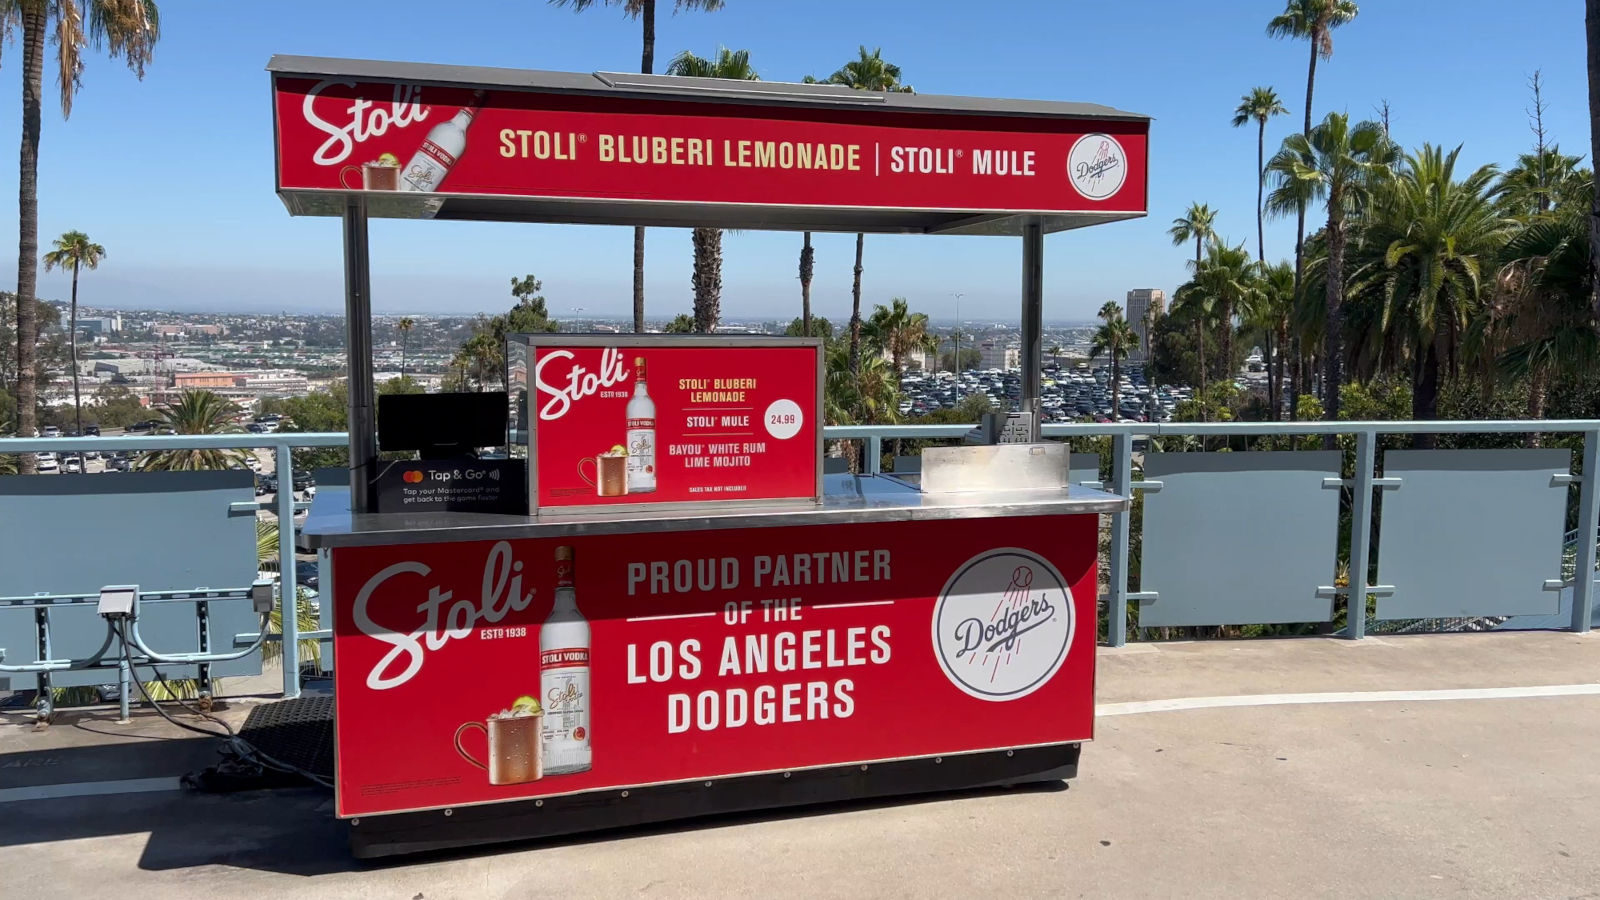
<point>614,420</point>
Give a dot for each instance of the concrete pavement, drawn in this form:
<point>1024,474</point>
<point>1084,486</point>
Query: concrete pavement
<point>1426,798</point>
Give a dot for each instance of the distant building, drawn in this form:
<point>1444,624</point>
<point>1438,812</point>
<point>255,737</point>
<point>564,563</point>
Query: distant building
<point>993,354</point>
<point>186,381</point>
<point>912,359</point>
<point>99,326</point>
<point>1144,303</point>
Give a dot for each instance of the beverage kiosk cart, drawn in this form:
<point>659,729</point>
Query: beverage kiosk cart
<point>660,606</point>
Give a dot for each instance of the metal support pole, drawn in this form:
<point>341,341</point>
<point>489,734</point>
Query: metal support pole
<point>44,700</point>
<point>873,464</point>
<point>1121,557</point>
<point>1360,534</point>
<point>287,607</point>
<point>1588,524</point>
<point>358,346</point>
<point>124,686</point>
<point>1032,320</point>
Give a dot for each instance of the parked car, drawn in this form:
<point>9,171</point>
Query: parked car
<point>73,466</point>
<point>47,463</point>
<point>256,428</point>
<point>266,484</point>
<point>50,431</point>
<point>91,430</point>
<point>146,427</point>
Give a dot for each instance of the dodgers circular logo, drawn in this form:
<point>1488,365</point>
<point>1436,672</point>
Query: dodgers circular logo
<point>1097,166</point>
<point>1003,624</point>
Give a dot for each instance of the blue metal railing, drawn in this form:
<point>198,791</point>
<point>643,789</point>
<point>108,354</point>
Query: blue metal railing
<point>1122,481</point>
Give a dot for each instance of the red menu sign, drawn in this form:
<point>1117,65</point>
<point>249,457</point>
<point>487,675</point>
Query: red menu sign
<point>491,671</point>
<point>623,421</point>
<point>339,135</point>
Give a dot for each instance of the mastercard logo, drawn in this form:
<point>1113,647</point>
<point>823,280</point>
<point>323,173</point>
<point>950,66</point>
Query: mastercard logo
<point>412,477</point>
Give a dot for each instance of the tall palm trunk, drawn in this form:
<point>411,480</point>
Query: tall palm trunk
<point>1261,184</point>
<point>1298,386</point>
<point>33,28</point>
<point>72,341</point>
<point>647,64</point>
<point>1592,28</point>
<point>1538,390</point>
<point>855,311</point>
<point>707,279</point>
<point>404,338</point>
<point>1116,386</point>
<point>1200,347</point>
<point>1333,338</point>
<point>1281,368</point>
<point>807,269</point>
<point>1425,394</point>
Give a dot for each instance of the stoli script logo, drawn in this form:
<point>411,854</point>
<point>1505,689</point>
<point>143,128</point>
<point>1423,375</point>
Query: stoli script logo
<point>1003,624</point>
<point>1097,166</point>
<point>365,119</point>
<point>442,620</point>
<point>580,381</point>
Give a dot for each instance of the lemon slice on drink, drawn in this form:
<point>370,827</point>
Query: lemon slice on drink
<point>389,159</point>
<point>525,705</point>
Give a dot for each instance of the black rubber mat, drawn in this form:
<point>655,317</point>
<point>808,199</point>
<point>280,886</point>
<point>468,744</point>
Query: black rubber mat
<point>298,732</point>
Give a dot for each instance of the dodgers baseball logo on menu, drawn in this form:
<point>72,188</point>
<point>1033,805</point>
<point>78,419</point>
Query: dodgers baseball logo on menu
<point>1003,624</point>
<point>1097,166</point>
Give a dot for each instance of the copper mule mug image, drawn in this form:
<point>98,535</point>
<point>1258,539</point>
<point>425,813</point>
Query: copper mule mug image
<point>609,477</point>
<point>516,752</point>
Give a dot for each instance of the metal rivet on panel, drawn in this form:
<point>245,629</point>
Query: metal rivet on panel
<point>449,812</point>
<point>1011,753</point>
<point>354,822</point>
<point>937,760</point>
<point>708,784</point>
<point>863,768</point>
<point>624,793</point>
<point>538,803</point>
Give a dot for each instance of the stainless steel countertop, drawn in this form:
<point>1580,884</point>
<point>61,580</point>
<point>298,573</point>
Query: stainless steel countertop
<point>846,499</point>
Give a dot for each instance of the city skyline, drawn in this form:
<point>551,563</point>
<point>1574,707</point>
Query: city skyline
<point>199,228</point>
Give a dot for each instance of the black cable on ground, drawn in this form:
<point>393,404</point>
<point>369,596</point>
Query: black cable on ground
<point>242,749</point>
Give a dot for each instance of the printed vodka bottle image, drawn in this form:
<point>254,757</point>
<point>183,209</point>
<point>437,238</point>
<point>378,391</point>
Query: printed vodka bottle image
<point>641,434</point>
<point>564,677</point>
<point>444,145</point>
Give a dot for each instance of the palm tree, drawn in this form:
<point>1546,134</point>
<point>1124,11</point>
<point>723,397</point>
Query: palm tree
<point>1114,338</point>
<point>896,330</point>
<point>1313,21</point>
<point>1436,235</point>
<point>196,412</point>
<point>1109,312</point>
<point>1537,324</point>
<point>1258,106</point>
<point>1055,353</point>
<point>1538,182</point>
<point>127,29</point>
<point>1338,164</point>
<point>1198,224</point>
<point>733,65</point>
<point>645,12</point>
<point>807,268</point>
<point>406,324</point>
<point>1274,304</point>
<point>75,250</point>
<point>1224,281</point>
<point>868,72</point>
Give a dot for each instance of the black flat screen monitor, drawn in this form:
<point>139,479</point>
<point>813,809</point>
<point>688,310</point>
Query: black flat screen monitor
<point>439,426</point>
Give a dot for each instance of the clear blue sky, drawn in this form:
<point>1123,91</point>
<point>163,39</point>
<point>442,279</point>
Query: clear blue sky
<point>174,175</point>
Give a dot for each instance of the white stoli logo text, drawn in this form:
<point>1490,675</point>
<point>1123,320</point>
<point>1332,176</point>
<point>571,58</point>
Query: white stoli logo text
<point>442,620</point>
<point>580,381</point>
<point>366,119</point>
<point>1097,166</point>
<point>1003,624</point>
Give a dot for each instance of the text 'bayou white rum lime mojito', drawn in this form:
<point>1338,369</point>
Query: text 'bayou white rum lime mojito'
<point>564,677</point>
<point>641,434</point>
<point>439,151</point>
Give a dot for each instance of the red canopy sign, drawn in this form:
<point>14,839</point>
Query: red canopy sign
<point>338,134</point>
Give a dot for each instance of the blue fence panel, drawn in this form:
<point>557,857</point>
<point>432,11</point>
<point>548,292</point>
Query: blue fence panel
<point>1472,532</point>
<point>164,531</point>
<point>1234,538</point>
